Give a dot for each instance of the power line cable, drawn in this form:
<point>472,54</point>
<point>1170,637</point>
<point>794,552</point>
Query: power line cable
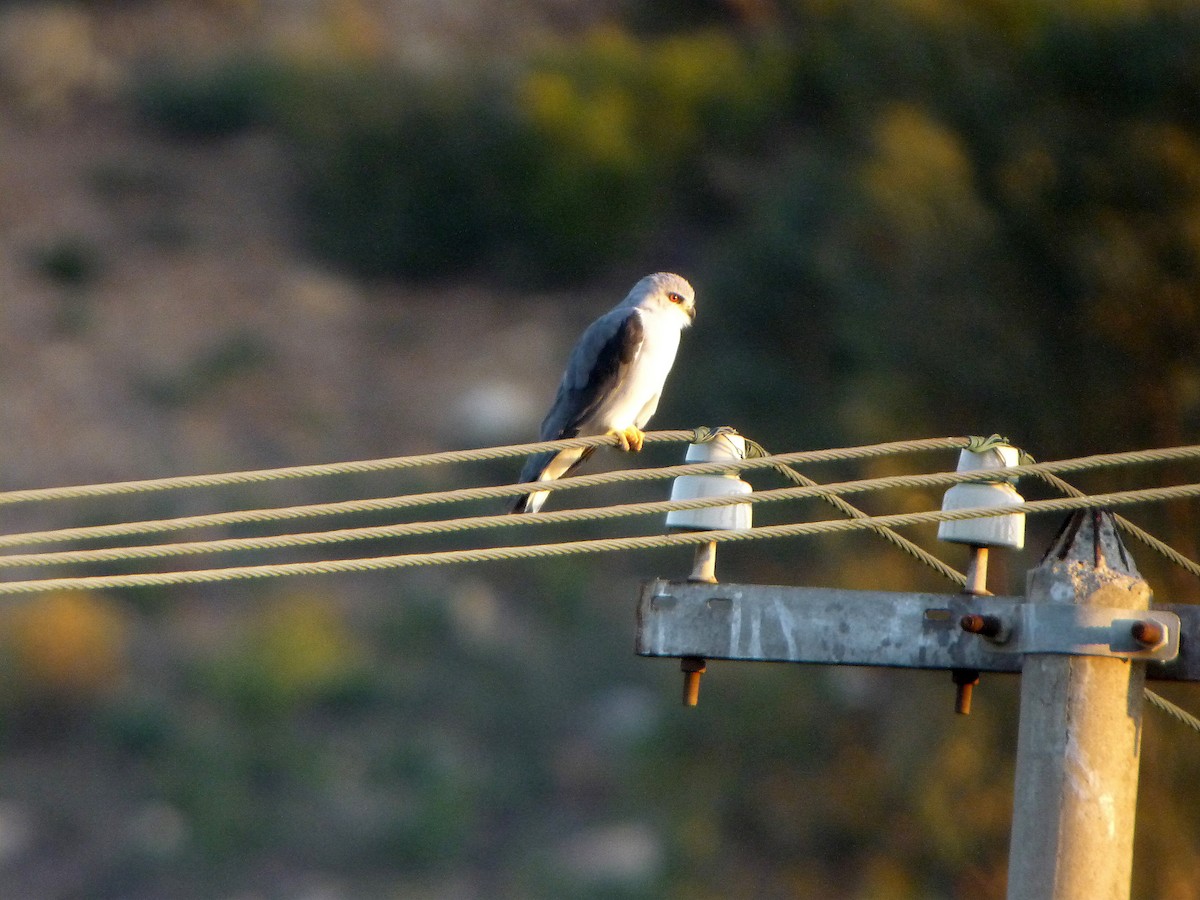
<point>456,495</point>
<point>358,467</point>
<point>535,551</point>
<point>807,489</point>
<point>781,462</point>
<point>882,525</point>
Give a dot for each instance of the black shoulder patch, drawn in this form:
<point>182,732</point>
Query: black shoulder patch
<point>630,337</point>
<point>608,370</point>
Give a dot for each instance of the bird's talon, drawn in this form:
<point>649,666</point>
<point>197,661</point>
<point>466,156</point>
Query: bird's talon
<point>630,439</point>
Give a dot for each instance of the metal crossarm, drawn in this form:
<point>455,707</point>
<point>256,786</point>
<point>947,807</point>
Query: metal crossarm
<point>829,626</point>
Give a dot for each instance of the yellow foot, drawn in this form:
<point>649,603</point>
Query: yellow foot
<point>631,438</point>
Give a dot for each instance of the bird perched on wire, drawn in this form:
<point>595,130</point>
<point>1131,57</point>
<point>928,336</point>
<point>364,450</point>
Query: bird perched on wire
<point>614,377</point>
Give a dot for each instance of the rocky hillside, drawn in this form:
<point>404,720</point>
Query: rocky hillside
<point>159,313</point>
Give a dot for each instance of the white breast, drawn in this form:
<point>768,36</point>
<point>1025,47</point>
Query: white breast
<point>635,400</point>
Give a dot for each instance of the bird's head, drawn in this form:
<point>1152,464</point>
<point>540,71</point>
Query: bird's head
<point>664,292</point>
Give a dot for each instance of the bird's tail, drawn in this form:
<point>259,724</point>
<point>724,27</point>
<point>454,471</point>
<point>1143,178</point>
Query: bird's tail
<point>547,467</point>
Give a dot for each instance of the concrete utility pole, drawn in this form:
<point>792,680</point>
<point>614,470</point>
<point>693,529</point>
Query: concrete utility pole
<point>1080,733</point>
<point>1083,640</point>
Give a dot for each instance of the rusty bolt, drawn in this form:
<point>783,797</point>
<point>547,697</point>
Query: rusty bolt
<point>964,684</point>
<point>693,667</point>
<point>988,626</point>
<point>1148,633</point>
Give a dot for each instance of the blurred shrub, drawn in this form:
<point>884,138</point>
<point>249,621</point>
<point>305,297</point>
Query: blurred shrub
<point>617,132</point>
<point>296,652</point>
<point>672,95</point>
<point>554,169</point>
<point>1126,64</point>
<point>399,175</point>
<point>50,57</point>
<point>228,358</point>
<point>66,645</point>
<point>920,180</point>
<point>209,101</point>
<point>71,261</point>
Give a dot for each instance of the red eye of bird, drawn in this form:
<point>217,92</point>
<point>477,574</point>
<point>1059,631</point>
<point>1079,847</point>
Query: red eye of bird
<point>674,297</point>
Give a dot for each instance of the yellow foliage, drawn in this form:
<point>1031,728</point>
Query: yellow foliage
<point>689,67</point>
<point>49,55</point>
<point>73,643</point>
<point>597,127</point>
<point>1012,19</point>
<point>302,645</point>
<point>617,100</point>
<point>1106,10</point>
<point>920,176</point>
<point>354,30</point>
<point>1177,150</point>
<point>885,878</point>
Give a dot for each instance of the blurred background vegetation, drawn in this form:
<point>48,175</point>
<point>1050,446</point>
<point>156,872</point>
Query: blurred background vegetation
<point>243,233</point>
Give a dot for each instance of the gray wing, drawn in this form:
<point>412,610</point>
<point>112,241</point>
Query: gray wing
<point>596,366</point>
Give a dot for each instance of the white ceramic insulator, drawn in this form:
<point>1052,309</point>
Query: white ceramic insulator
<point>690,487</point>
<point>992,531</point>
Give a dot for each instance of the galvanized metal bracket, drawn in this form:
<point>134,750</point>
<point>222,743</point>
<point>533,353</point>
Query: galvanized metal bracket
<point>1073,630</point>
<point>907,630</point>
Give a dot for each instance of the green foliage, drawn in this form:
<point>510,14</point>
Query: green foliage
<point>141,727</point>
<point>578,160</point>
<point>550,173</point>
<point>401,176</point>
<point>619,130</point>
<point>295,654</point>
<point>217,365</point>
<point>72,261</point>
<point>209,101</point>
<point>915,261</point>
<point>1125,65</point>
